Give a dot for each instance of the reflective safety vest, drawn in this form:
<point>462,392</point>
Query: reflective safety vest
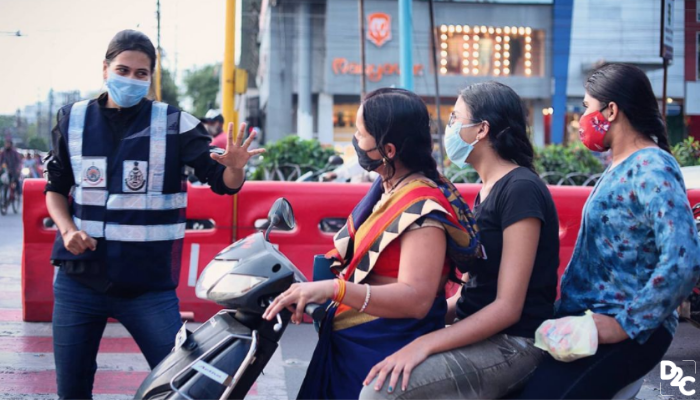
<point>131,198</point>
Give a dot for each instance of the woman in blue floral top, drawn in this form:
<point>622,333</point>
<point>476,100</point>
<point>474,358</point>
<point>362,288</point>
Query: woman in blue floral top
<point>637,254</point>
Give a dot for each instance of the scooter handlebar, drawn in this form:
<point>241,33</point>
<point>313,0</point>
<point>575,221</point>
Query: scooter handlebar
<point>315,311</point>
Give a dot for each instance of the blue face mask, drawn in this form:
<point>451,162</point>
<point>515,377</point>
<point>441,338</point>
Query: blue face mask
<point>126,92</point>
<point>457,149</point>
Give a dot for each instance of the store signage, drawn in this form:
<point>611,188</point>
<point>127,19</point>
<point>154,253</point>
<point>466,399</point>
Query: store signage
<point>374,72</point>
<point>379,28</point>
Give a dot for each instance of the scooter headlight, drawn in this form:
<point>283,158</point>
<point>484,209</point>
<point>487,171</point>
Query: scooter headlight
<point>25,171</point>
<point>218,282</point>
<point>232,286</point>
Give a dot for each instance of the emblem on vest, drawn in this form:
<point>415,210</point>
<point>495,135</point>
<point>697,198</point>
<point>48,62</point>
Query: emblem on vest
<point>94,171</point>
<point>135,173</point>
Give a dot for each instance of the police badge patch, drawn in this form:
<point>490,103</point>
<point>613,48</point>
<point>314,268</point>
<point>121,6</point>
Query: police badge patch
<point>135,174</point>
<point>94,172</point>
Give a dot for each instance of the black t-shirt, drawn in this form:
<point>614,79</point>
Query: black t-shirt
<point>520,194</point>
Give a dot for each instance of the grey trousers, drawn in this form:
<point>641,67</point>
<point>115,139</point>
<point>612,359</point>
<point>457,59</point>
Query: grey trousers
<point>486,370</point>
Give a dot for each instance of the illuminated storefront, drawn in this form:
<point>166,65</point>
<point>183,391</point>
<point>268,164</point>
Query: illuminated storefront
<point>507,41</point>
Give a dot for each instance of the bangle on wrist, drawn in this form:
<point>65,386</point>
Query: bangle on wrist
<point>368,294</point>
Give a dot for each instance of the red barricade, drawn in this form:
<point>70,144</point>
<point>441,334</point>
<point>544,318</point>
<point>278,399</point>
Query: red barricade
<point>199,247</point>
<point>235,217</point>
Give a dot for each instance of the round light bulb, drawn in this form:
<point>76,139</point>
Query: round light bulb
<point>443,28</point>
<point>475,71</point>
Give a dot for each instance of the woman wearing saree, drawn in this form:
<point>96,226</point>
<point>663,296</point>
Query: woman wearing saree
<point>394,255</point>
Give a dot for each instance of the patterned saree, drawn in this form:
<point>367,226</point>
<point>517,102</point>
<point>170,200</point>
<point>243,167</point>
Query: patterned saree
<point>351,343</point>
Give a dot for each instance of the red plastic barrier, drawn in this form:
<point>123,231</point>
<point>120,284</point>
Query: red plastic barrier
<point>38,274</point>
<point>312,202</point>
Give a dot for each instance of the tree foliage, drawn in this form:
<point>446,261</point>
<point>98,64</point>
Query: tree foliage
<point>201,87</point>
<point>168,89</point>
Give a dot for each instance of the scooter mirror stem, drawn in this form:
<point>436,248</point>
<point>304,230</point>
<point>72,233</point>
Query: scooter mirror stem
<point>273,222</point>
<point>278,326</point>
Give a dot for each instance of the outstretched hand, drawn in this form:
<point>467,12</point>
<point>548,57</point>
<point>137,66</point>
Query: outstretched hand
<point>237,155</point>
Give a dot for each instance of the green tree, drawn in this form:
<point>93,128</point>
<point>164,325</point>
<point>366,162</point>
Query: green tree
<point>7,122</point>
<point>168,89</point>
<point>201,86</point>
<point>38,143</point>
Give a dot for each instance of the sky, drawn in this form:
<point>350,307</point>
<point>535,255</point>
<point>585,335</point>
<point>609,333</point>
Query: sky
<point>66,40</point>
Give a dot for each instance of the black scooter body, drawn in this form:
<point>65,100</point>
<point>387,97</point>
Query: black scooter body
<point>225,339</point>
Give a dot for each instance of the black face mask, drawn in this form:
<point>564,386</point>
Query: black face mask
<point>364,159</point>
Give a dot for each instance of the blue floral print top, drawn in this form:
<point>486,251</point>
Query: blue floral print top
<point>637,254</point>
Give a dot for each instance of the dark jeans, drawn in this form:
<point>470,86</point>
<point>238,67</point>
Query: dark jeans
<point>79,319</point>
<point>613,367</point>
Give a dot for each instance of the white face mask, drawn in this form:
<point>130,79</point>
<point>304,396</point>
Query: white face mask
<point>457,149</point>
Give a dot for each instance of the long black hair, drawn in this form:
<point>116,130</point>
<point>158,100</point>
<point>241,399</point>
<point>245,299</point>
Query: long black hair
<point>130,39</point>
<point>400,117</point>
<point>629,87</point>
<point>503,109</point>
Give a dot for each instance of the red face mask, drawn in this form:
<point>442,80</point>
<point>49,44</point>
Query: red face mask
<point>592,130</point>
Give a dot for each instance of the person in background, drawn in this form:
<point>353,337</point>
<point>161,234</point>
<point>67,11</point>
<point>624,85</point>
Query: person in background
<point>38,165</point>
<point>12,160</point>
<point>116,193</point>
<point>214,123</point>
<point>637,255</point>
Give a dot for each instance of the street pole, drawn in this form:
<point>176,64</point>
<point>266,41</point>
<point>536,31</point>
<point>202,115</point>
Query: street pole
<point>228,72</point>
<point>50,116</point>
<point>663,100</point>
<point>406,43</point>
<point>433,50</point>
<point>159,72</point>
<point>363,79</point>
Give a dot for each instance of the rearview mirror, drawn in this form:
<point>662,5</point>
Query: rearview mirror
<point>281,215</point>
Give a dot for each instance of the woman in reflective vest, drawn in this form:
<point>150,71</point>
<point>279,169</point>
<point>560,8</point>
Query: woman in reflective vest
<point>117,194</point>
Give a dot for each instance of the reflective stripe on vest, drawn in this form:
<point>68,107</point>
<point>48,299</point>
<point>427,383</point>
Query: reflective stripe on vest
<point>156,158</point>
<point>76,126</point>
<point>92,228</point>
<point>152,200</point>
<point>144,233</point>
<point>90,197</point>
<point>147,201</point>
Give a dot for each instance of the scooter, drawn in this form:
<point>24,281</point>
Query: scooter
<point>317,176</point>
<point>224,356</point>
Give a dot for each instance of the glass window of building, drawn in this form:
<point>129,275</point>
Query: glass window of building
<point>491,51</point>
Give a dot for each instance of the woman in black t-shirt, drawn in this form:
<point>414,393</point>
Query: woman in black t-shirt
<point>488,350</point>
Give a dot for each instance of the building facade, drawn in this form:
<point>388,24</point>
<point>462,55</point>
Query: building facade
<point>309,78</point>
<point>309,70</point>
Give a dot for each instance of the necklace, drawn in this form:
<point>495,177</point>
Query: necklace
<point>398,182</point>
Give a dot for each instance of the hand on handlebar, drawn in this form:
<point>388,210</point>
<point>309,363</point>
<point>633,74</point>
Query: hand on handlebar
<point>297,297</point>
